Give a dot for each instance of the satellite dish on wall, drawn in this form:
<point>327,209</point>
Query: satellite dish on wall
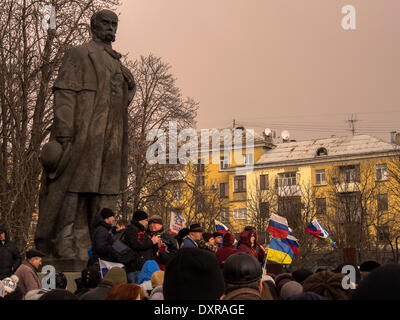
<point>268,132</point>
<point>285,135</point>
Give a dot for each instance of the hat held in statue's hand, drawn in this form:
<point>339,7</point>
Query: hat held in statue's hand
<point>54,159</point>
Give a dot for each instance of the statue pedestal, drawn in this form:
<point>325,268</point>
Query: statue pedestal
<point>65,265</point>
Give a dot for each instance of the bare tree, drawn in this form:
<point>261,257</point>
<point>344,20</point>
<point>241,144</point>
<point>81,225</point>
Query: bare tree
<point>157,102</point>
<point>30,56</point>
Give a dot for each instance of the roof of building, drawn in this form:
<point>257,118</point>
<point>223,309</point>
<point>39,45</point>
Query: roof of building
<point>334,147</point>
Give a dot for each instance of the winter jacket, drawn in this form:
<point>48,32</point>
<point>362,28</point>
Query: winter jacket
<point>102,239</point>
<point>225,251</point>
<point>243,294</point>
<point>138,239</point>
<point>10,259</point>
<point>188,242</point>
<point>98,293</point>
<point>245,245</point>
<point>165,254</point>
<point>28,278</point>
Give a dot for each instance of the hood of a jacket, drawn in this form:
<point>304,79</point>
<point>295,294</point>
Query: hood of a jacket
<point>245,237</point>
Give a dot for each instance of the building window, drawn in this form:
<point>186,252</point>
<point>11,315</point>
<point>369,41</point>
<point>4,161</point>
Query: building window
<point>223,162</point>
<point>320,177</point>
<point>224,190</point>
<point>381,172</point>
<point>200,205</point>
<point>224,215</point>
<point>248,159</point>
<point>200,180</point>
<point>321,205</point>
<point>240,214</point>
<point>264,182</point>
<point>383,233</point>
<point>287,179</point>
<point>289,206</point>
<point>351,173</point>
<point>239,184</point>
<point>177,193</point>
<point>382,202</point>
<point>322,152</point>
<point>264,210</point>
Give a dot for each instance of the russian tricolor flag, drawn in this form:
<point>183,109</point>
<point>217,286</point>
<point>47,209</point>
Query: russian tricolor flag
<point>292,242</point>
<point>278,226</point>
<point>220,227</point>
<point>317,231</point>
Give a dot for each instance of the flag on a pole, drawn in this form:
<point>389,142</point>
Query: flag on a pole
<point>220,227</point>
<point>176,223</point>
<point>105,266</point>
<point>292,242</point>
<point>278,226</point>
<point>317,231</point>
<point>279,252</point>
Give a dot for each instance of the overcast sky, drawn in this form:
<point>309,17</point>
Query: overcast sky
<point>279,64</point>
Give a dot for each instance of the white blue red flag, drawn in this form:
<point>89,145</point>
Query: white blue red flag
<point>105,266</point>
<point>220,227</point>
<point>278,226</point>
<point>177,223</point>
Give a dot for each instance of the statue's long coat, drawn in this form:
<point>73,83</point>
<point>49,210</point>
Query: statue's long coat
<point>92,110</point>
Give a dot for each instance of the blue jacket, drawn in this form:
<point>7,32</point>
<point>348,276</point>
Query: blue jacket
<point>189,243</point>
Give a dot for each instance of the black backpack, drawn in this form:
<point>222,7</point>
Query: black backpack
<point>121,252</point>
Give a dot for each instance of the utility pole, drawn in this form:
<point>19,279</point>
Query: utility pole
<point>352,122</point>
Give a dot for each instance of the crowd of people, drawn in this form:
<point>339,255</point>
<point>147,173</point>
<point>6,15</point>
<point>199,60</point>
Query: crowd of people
<point>193,265</point>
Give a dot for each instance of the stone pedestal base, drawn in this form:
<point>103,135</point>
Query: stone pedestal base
<point>65,265</point>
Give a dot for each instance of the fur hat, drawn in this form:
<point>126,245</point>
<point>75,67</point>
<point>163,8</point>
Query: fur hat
<point>381,284</point>
<point>327,284</point>
<point>193,274</point>
<point>139,215</point>
<point>106,213</point>
<point>291,288</point>
<point>281,279</point>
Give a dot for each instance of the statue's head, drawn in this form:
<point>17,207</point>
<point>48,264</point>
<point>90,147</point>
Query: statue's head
<point>104,25</point>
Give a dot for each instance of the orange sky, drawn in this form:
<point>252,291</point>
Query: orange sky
<point>281,64</point>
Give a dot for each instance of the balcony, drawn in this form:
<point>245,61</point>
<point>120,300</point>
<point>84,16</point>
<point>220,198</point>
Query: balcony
<point>289,191</point>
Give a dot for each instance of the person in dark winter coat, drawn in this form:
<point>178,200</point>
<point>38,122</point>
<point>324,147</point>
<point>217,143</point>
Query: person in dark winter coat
<point>139,241</point>
<point>242,274</point>
<point>102,235</point>
<point>248,244</point>
<point>167,249</point>
<point>195,234</point>
<point>226,250</point>
<point>90,278</point>
<point>10,259</point>
<point>114,276</point>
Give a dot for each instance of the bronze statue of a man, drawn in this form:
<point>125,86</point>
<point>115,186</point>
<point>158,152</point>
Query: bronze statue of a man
<point>85,162</point>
